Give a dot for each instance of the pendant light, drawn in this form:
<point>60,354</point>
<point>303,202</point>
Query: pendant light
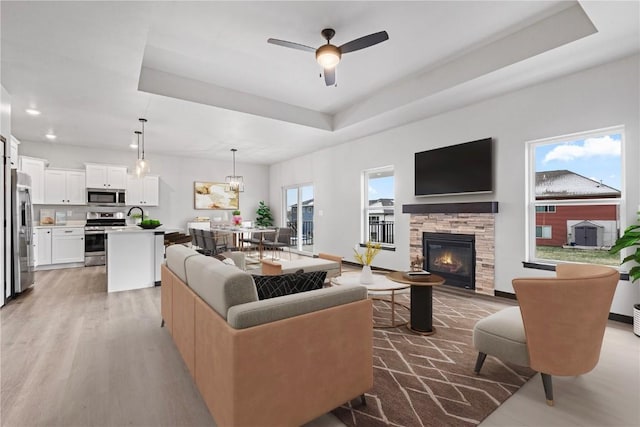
<point>142,165</point>
<point>137,133</point>
<point>234,182</point>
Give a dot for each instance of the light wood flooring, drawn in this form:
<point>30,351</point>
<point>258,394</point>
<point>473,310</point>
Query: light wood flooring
<point>73,355</point>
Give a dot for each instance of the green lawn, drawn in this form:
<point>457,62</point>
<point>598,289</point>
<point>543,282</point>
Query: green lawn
<point>592,256</point>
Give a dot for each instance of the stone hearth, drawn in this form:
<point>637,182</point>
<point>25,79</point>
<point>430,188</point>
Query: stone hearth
<point>482,225</point>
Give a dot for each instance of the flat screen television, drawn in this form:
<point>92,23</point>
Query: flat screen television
<point>461,168</point>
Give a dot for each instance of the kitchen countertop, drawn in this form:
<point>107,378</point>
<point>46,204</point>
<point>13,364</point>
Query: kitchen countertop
<point>81,225</point>
<point>136,229</point>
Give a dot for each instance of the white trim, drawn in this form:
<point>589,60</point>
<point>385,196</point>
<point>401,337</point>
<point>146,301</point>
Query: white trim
<point>531,202</point>
<point>365,176</point>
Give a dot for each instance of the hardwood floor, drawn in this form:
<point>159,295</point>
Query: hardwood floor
<point>73,355</point>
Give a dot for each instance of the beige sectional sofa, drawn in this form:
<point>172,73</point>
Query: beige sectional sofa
<point>277,362</point>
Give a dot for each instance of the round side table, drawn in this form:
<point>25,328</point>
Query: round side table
<point>421,301</point>
<point>380,284</point>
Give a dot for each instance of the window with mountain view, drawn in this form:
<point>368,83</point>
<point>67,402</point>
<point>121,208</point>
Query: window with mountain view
<point>575,192</point>
<point>378,210</point>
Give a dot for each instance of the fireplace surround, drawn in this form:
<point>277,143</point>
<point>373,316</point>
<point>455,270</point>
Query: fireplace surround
<point>475,218</point>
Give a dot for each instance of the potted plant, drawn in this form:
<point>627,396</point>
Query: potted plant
<point>631,239</point>
<point>264,217</point>
<point>370,252</point>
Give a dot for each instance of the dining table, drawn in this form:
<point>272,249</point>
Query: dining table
<point>239,232</point>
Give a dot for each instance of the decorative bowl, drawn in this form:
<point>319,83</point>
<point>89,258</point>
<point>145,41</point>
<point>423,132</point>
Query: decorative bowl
<point>149,226</point>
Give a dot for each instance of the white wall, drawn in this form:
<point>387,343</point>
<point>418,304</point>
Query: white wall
<point>177,175</point>
<point>595,98</point>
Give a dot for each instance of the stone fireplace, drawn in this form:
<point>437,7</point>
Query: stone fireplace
<point>474,223</point>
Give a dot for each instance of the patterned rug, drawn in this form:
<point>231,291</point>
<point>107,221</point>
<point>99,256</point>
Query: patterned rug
<point>429,380</point>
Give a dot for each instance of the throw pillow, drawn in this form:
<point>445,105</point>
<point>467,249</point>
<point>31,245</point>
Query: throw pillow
<point>285,284</point>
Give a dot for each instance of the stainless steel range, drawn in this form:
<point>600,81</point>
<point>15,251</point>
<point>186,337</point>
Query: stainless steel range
<point>94,234</point>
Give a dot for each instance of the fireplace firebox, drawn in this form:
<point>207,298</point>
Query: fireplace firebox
<point>451,256</point>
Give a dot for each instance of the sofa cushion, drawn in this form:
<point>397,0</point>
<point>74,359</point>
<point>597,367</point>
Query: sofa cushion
<point>220,285</point>
<point>502,335</point>
<point>260,312</point>
<point>286,284</point>
<point>177,256</point>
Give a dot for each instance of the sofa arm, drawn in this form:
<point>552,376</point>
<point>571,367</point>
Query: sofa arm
<point>335,258</point>
<point>270,310</point>
<point>238,258</point>
<point>270,268</point>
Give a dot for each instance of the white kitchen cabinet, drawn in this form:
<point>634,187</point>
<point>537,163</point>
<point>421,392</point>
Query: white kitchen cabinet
<point>67,245</point>
<point>64,187</point>
<point>42,249</point>
<point>143,191</point>
<point>35,169</point>
<point>106,176</point>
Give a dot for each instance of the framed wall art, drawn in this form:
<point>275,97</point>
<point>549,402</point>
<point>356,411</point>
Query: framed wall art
<point>214,195</point>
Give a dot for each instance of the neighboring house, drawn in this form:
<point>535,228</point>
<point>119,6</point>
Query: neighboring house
<point>381,220</point>
<point>558,225</point>
<point>307,220</point>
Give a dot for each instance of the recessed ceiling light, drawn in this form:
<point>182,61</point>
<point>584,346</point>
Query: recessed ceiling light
<point>32,112</point>
<point>50,136</point>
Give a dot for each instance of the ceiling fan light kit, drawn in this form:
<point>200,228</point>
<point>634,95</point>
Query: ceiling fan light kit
<point>328,55</point>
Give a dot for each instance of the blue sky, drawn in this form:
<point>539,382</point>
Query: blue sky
<point>596,158</point>
<point>292,194</point>
<point>381,188</point>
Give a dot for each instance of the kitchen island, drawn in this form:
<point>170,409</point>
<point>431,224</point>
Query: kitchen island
<point>133,257</point>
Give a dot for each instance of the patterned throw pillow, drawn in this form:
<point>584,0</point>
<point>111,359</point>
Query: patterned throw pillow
<point>285,284</point>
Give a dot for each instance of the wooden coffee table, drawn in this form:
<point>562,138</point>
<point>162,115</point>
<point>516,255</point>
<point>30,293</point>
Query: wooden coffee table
<point>421,301</point>
<point>381,283</point>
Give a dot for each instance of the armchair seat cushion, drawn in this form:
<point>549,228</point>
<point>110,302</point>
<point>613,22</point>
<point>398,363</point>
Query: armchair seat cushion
<point>502,335</point>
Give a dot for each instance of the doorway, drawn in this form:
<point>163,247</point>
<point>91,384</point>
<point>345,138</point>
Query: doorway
<point>299,216</point>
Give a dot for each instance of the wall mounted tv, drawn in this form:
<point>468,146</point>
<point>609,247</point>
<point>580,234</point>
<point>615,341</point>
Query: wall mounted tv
<point>461,168</point>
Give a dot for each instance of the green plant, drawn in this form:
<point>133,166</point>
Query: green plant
<point>236,212</point>
<point>264,218</point>
<point>629,239</point>
<point>369,254</point>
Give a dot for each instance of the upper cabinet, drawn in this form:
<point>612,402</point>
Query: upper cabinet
<point>106,176</point>
<point>143,191</point>
<point>35,169</point>
<point>65,187</point>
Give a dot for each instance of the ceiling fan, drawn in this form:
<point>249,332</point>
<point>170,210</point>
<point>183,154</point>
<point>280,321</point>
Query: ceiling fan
<point>329,55</point>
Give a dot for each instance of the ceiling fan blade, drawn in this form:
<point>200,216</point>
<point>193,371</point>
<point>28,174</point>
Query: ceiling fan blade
<point>330,76</point>
<point>365,41</point>
<point>292,45</point>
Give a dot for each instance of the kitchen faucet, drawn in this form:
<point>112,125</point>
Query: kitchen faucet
<point>136,207</point>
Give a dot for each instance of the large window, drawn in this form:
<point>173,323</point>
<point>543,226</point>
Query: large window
<point>575,190</point>
<point>378,206</point>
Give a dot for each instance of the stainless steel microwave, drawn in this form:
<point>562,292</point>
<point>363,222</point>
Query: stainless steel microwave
<point>101,197</point>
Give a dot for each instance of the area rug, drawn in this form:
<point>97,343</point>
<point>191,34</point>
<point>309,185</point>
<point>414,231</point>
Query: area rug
<point>429,380</point>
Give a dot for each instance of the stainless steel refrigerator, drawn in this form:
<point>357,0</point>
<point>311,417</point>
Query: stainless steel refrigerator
<point>21,232</point>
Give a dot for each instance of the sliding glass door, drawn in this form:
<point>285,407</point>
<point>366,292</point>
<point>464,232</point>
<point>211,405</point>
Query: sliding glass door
<point>298,202</point>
